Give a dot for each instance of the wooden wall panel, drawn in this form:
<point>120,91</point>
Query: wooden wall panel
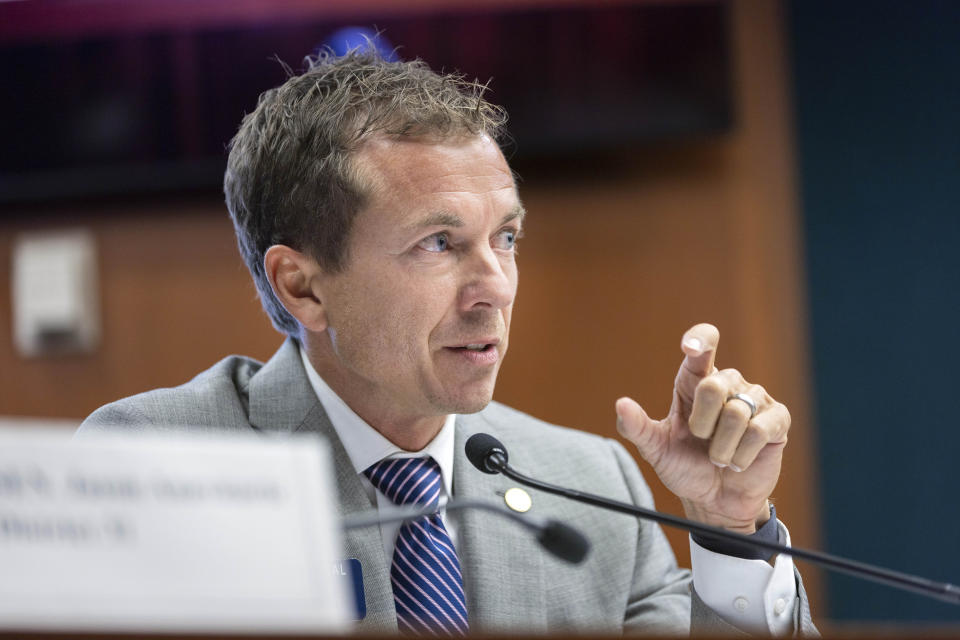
<point>617,263</point>
<point>614,269</point>
<point>175,298</point>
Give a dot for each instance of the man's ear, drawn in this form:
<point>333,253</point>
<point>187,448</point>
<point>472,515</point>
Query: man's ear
<point>292,275</point>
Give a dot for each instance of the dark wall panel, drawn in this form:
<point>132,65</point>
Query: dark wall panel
<point>878,113</point>
<point>152,109</point>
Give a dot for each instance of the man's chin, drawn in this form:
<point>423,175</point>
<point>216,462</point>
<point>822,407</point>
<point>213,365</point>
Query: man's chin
<point>474,407</point>
<point>472,403</point>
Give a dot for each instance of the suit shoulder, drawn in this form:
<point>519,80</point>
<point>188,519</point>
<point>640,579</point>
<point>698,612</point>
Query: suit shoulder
<point>216,398</point>
<point>508,420</point>
<point>537,442</point>
<point>566,456</point>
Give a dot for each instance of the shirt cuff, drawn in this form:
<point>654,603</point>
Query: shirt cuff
<point>749,594</point>
<point>769,532</point>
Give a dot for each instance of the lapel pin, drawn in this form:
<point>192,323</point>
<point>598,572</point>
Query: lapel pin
<point>518,500</point>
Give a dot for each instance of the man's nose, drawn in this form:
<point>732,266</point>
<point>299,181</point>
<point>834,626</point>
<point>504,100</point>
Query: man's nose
<point>490,280</point>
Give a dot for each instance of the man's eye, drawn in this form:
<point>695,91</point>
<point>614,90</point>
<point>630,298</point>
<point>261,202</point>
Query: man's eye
<point>507,239</point>
<point>437,243</point>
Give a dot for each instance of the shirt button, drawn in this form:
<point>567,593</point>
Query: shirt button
<point>741,604</point>
<point>779,606</point>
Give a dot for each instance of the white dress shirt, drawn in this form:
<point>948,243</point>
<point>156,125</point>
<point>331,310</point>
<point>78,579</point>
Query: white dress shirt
<point>365,446</point>
<point>749,594</point>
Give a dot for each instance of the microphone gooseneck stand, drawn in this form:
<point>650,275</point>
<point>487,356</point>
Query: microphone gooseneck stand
<point>562,540</point>
<point>489,455</point>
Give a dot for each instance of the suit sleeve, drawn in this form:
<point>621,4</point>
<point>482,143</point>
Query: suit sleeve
<point>659,599</point>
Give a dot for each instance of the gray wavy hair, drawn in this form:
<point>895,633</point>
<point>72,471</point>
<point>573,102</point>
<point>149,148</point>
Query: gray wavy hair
<point>289,177</point>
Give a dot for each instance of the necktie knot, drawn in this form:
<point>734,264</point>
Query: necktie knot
<point>408,481</point>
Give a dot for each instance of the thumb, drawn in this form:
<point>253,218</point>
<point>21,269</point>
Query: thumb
<point>635,425</point>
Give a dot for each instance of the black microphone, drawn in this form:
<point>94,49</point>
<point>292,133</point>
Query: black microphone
<point>489,455</point>
<point>561,540</point>
<point>486,453</point>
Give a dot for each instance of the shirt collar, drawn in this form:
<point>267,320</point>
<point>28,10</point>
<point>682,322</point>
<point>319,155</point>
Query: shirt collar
<point>365,445</point>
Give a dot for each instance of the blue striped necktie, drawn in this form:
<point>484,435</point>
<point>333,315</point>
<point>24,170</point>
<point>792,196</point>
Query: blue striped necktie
<point>427,584</point>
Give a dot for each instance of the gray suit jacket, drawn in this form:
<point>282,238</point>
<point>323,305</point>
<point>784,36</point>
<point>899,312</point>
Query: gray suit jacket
<point>629,582</point>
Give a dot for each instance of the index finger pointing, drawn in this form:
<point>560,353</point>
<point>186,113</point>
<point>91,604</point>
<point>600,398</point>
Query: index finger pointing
<point>699,345</point>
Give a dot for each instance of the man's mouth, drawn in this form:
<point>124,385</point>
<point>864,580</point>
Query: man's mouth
<point>478,343</point>
<point>482,354</point>
<point>483,351</point>
<point>476,347</point>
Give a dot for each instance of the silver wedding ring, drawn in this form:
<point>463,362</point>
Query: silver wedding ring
<point>745,398</point>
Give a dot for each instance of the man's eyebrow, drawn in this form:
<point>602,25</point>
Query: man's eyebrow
<point>439,219</point>
<point>518,213</point>
<point>446,219</point>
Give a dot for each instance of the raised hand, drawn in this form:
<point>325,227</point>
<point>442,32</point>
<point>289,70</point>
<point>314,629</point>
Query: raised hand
<point>718,456</point>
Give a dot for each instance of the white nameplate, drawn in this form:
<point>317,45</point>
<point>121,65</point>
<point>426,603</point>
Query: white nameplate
<point>155,533</point>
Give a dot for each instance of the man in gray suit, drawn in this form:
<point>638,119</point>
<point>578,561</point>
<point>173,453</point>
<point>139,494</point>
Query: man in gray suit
<point>379,220</point>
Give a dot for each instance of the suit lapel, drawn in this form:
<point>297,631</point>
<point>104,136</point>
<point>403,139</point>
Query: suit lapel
<point>502,563</point>
<point>282,400</point>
